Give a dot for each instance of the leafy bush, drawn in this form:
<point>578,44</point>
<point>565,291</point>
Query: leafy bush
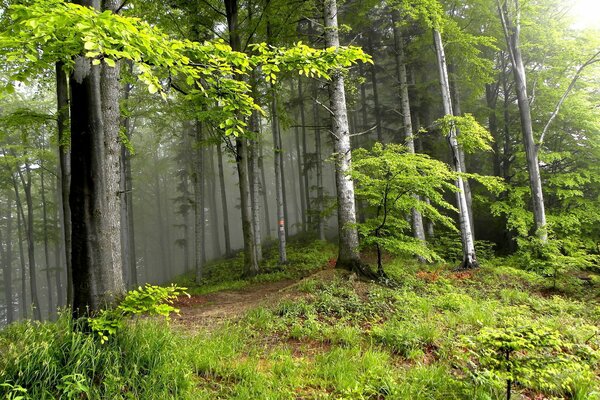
<point>149,300</point>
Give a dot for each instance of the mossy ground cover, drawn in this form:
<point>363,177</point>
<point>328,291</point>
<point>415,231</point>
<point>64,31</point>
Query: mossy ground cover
<point>337,337</point>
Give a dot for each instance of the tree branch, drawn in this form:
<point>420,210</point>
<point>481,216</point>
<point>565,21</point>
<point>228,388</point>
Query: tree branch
<point>593,59</point>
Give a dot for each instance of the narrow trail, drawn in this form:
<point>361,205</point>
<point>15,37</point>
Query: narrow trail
<point>209,311</point>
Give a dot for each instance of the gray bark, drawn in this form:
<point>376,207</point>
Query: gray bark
<point>95,173</point>
<point>28,224</point>
<point>199,214</point>
<point>299,154</point>
<point>265,195</point>
<point>23,294</point>
<point>241,157</point>
<point>455,93</point>
<point>7,261</point>
<point>319,166</point>
<point>49,283</point>
<point>305,167</point>
<point>373,68</point>
<point>512,34</point>
<point>255,185</point>
<point>469,256</point>
<point>126,210</point>
<point>64,164</point>
<point>281,221</point>
<point>223,192</point>
<point>417,218</point>
<point>349,256</point>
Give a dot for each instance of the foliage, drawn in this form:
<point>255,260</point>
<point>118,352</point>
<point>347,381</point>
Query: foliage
<point>530,354</point>
<point>43,32</point>
<point>393,182</point>
<point>333,338</point>
<point>149,300</point>
<point>61,360</point>
<point>470,134</point>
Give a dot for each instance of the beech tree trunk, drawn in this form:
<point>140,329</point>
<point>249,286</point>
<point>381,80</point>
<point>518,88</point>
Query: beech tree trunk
<point>49,283</point>
<point>319,166</point>
<point>64,165</point>
<point>512,34</point>
<point>7,261</point>
<point>241,158</point>
<point>199,213</point>
<point>349,256</point>
<point>299,163</point>
<point>23,302</point>
<point>457,111</point>
<point>278,179</point>
<point>255,185</point>
<point>211,189</point>
<point>417,218</point>
<point>469,256</point>
<point>225,211</point>
<point>127,228</point>
<point>28,224</point>
<point>304,183</point>
<point>377,109</point>
<point>95,172</point>
<point>263,190</point>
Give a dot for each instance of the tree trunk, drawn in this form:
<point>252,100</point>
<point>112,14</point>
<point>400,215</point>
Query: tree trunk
<point>319,166</point>
<point>491,98</point>
<point>23,302</point>
<point>264,191</point>
<point>95,172</point>
<point>469,257</point>
<point>417,218</point>
<point>349,256</point>
<point>35,304</point>
<point>299,154</point>
<point>512,35</point>
<point>58,249</point>
<point>455,93</point>
<point>50,285</point>
<point>127,228</point>
<point>373,68</point>
<point>241,157</point>
<point>64,162</point>
<point>7,261</point>
<point>305,166</point>
<point>250,261</point>
<point>212,199</point>
<point>255,185</point>
<point>223,192</point>
<point>199,209</point>
<point>281,221</point>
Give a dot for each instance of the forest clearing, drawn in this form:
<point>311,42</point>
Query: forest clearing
<point>313,199</point>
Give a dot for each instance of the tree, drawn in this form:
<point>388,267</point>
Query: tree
<point>349,256</point>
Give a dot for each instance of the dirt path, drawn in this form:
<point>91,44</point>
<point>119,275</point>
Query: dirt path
<point>211,310</point>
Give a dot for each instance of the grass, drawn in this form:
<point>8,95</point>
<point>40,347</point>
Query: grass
<point>304,257</point>
<point>336,338</point>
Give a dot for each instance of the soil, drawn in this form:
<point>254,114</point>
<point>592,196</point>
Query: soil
<point>209,311</point>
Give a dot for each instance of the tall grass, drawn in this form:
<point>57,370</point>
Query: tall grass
<point>63,360</point>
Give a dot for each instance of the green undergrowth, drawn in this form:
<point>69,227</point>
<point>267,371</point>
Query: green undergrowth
<point>303,258</point>
<point>439,335</point>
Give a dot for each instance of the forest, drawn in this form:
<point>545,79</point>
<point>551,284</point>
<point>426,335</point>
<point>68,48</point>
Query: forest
<point>307,199</point>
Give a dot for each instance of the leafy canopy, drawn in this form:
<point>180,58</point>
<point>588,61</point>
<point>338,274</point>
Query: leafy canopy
<point>42,32</point>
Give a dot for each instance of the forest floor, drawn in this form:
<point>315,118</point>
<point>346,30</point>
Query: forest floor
<point>309,331</point>
<point>209,311</point>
